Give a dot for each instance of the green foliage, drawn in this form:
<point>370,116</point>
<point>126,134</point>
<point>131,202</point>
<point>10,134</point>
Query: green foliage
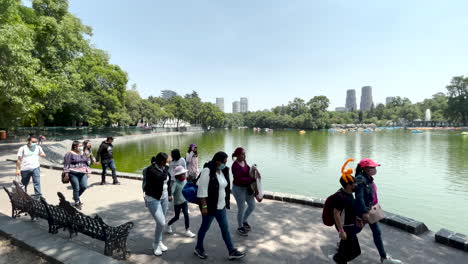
<point>458,99</point>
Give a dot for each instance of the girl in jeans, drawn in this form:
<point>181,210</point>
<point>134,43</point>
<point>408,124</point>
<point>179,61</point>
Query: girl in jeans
<point>157,190</point>
<point>76,164</point>
<point>366,197</point>
<point>242,190</point>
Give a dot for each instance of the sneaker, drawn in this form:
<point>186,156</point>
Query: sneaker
<point>103,183</point>
<point>116,183</point>
<point>389,260</point>
<point>78,205</point>
<point>158,251</point>
<point>331,258</point>
<point>162,246</point>
<point>201,254</point>
<point>169,229</point>
<point>189,233</point>
<point>236,254</point>
<point>247,227</point>
<point>242,231</point>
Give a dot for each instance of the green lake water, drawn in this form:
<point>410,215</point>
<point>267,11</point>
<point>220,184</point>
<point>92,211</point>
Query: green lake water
<point>423,176</point>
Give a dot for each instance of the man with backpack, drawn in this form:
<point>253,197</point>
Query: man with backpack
<point>340,210</point>
<point>106,157</point>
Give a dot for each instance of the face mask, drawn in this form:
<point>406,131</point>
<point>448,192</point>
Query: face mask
<point>222,167</point>
<point>33,146</point>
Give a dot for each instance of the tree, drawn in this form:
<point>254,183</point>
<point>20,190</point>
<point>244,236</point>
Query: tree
<point>297,107</point>
<point>181,109</point>
<point>458,99</point>
<point>211,116</point>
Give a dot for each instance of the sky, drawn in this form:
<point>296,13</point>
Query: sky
<point>272,51</point>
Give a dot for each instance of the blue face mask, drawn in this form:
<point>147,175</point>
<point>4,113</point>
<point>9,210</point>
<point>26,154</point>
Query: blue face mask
<point>33,146</point>
<point>222,167</point>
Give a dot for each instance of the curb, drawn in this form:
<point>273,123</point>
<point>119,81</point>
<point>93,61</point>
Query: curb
<point>452,239</point>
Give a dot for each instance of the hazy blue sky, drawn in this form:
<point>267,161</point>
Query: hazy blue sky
<point>272,51</point>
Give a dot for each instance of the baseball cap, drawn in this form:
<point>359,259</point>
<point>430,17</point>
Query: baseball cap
<point>368,163</point>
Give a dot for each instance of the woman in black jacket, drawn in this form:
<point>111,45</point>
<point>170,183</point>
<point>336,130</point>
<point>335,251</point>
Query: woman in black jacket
<point>214,191</point>
<point>157,187</point>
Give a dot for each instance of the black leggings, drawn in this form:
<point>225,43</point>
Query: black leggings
<point>177,209</point>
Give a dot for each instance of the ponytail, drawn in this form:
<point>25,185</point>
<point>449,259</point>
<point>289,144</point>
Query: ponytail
<point>358,170</point>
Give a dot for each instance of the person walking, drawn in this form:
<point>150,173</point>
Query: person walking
<point>89,153</point>
<point>192,162</point>
<point>214,191</point>
<point>366,197</point>
<point>106,157</point>
<point>348,226</point>
<point>180,203</point>
<point>157,188</point>
<point>28,166</point>
<point>177,160</point>
<point>242,190</point>
<point>76,164</point>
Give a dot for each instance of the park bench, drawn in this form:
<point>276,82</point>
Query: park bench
<point>65,216</point>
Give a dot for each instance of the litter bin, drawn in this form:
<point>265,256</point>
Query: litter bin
<point>3,134</point>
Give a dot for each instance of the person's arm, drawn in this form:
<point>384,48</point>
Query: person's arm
<point>361,207</point>
<point>339,225</point>
<point>41,152</point>
<point>184,163</point>
<point>18,161</point>
<point>98,154</point>
<point>202,192</point>
<point>67,162</point>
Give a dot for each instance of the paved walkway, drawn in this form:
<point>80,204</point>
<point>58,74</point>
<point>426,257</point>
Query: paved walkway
<point>282,232</point>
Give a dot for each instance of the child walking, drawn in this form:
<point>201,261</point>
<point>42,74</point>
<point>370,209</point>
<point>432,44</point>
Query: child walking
<point>180,204</point>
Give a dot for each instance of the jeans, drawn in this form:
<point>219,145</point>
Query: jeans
<point>79,182</point>
<point>222,220</point>
<point>348,249</point>
<point>158,210</point>
<point>36,177</point>
<point>377,234</point>
<point>241,196</point>
<point>108,164</point>
<point>184,208</point>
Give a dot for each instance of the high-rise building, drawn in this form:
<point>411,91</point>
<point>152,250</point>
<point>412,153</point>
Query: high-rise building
<point>389,100</point>
<point>340,109</point>
<point>220,103</point>
<point>166,94</point>
<point>236,107</point>
<point>351,104</point>
<point>244,105</point>
<point>366,98</point>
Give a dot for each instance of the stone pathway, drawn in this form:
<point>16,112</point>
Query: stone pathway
<point>10,253</point>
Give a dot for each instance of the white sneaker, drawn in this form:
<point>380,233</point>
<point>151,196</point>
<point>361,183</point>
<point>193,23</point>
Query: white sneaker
<point>169,229</point>
<point>158,251</point>
<point>389,260</point>
<point>162,246</point>
<point>189,233</point>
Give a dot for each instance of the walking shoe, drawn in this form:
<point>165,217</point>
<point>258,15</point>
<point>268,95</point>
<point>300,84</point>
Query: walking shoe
<point>78,205</point>
<point>162,246</point>
<point>247,227</point>
<point>189,233</point>
<point>158,251</point>
<point>332,258</point>
<point>201,254</point>
<point>116,183</point>
<point>169,229</point>
<point>236,254</point>
<point>389,260</point>
<point>103,183</point>
<point>242,231</point>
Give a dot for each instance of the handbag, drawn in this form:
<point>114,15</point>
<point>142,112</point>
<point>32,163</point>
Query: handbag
<point>65,177</point>
<point>376,214</point>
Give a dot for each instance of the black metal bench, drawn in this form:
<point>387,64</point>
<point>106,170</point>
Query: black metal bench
<point>68,217</point>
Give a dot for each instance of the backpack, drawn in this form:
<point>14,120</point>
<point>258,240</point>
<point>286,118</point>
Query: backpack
<point>190,191</point>
<point>327,214</point>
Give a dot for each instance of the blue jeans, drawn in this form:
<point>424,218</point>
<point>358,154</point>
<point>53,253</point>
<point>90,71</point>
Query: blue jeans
<point>79,182</point>
<point>158,210</point>
<point>108,164</point>
<point>222,220</point>
<point>377,234</point>
<point>241,196</point>
<point>36,177</point>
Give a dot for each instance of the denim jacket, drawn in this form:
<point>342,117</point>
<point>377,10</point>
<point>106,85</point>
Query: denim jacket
<point>364,194</point>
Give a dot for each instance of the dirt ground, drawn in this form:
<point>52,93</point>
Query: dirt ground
<point>12,254</point>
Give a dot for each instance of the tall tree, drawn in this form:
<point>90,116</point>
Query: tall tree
<point>458,99</point>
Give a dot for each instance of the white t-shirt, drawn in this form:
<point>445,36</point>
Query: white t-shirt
<point>30,159</point>
<point>203,187</point>
<point>174,164</point>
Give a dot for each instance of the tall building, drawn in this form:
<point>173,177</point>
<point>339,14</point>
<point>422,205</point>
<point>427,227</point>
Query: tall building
<point>235,107</point>
<point>340,109</point>
<point>389,100</point>
<point>166,94</point>
<point>220,103</point>
<point>351,104</point>
<point>244,105</point>
<point>366,98</point>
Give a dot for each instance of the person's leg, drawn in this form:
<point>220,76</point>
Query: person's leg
<point>165,205</point>
<point>204,227</point>
<point>222,220</point>
<point>113,168</point>
<point>104,170</point>
<point>348,249</point>
<point>239,194</point>
<point>184,207</point>
<point>83,183</point>
<point>154,206</point>
<point>25,178</point>
<point>177,209</point>
<point>36,177</point>
<point>75,183</point>
<point>250,207</point>
<point>377,234</point>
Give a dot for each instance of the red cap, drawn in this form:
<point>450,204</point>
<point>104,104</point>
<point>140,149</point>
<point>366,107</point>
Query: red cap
<point>368,163</point>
